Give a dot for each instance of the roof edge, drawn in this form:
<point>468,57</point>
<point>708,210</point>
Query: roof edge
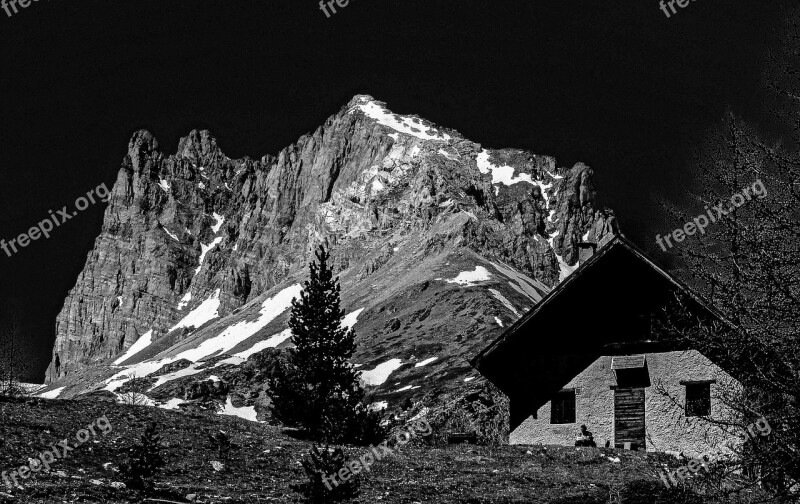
<point>618,240</point>
<point>553,292</point>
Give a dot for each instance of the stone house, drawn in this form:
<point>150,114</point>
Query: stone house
<point>586,354</point>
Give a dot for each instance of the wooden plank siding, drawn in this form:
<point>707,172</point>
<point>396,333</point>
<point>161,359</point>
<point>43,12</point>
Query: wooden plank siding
<point>629,424</point>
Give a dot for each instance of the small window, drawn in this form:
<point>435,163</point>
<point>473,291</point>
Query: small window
<point>562,409</point>
<point>698,399</point>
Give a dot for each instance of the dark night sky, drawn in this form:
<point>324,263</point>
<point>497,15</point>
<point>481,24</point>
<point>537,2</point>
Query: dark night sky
<point>616,85</point>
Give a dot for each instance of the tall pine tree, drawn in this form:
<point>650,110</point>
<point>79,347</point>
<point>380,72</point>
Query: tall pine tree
<point>318,389</point>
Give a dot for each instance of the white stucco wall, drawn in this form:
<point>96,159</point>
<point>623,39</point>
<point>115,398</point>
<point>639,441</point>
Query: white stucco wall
<point>666,426</point>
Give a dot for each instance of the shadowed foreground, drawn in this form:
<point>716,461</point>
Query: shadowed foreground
<point>265,462</point>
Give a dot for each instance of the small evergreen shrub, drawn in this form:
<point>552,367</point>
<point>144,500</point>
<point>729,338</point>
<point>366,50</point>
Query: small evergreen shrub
<point>320,488</point>
<point>144,460</point>
<point>221,442</point>
<point>365,427</point>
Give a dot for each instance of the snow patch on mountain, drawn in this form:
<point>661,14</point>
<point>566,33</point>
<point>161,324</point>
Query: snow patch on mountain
<point>205,249</point>
<point>425,362</point>
<point>500,174</point>
<point>245,412</point>
<point>220,220</point>
<point>470,278</point>
<point>505,175</point>
<point>170,234</point>
<point>551,238</point>
<point>404,124</point>
<point>172,404</point>
<point>138,370</point>
<point>407,387</point>
<point>139,345</point>
<point>544,187</point>
<point>381,372</point>
<point>273,341</point>
<point>51,394</point>
<point>565,269</point>
<point>351,318</point>
<point>185,300</point>
<point>205,311</point>
<point>188,371</point>
<point>237,333</point>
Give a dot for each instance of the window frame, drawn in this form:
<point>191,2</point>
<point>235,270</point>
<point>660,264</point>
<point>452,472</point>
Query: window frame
<point>697,403</point>
<point>559,414</point>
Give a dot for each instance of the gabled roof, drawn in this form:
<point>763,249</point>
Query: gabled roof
<point>604,307</point>
<point>618,242</point>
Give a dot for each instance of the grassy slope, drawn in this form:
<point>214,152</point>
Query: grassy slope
<point>267,462</point>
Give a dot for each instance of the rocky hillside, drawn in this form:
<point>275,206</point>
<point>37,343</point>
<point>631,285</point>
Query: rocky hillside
<point>440,243</point>
<point>265,462</point>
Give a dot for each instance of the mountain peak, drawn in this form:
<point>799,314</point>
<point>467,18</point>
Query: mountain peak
<point>423,226</point>
<point>142,139</point>
<point>141,144</point>
<point>198,145</point>
<point>360,99</point>
<point>412,125</point>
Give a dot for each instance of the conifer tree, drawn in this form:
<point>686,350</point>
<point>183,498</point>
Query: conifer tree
<point>319,390</point>
<point>144,460</point>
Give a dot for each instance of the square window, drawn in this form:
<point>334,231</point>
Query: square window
<point>698,399</point>
<point>562,410</point>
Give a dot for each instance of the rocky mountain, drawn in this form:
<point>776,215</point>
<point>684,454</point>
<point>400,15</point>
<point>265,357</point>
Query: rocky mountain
<point>440,243</point>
